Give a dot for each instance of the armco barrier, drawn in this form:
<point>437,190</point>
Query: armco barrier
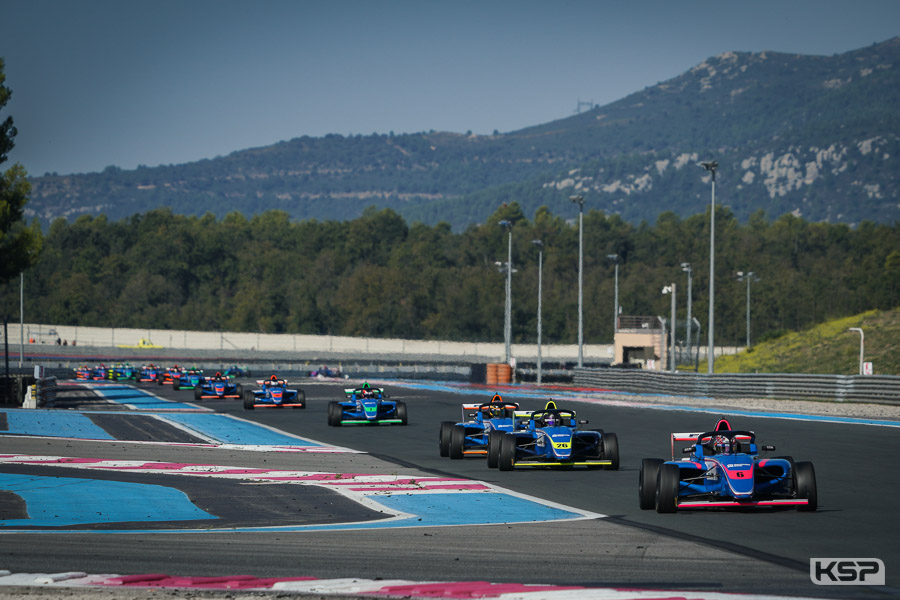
<point>883,389</point>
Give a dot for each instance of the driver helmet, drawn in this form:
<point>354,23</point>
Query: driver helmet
<point>722,445</point>
<point>550,420</point>
<point>497,410</point>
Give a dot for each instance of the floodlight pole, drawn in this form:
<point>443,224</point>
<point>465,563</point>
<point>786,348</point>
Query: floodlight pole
<point>710,357</point>
<point>540,246</point>
<point>615,259</point>
<point>686,267</point>
<point>507,324</point>
<point>580,200</point>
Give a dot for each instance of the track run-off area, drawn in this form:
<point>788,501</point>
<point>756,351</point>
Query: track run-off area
<point>141,485</point>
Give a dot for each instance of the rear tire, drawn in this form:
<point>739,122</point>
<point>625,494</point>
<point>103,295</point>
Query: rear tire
<point>444,438</point>
<point>647,482</point>
<point>611,450</point>
<point>239,390</point>
<point>507,453</point>
<point>457,441</point>
<point>249,400</point>
<point>495,438</point>
<point>401,413</point>
<point>197,393</point>
<point>667,488</point>
<point>175,384</point>
<point>805,476</point>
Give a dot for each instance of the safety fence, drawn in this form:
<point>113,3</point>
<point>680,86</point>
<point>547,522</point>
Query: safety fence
<point>883,389</point>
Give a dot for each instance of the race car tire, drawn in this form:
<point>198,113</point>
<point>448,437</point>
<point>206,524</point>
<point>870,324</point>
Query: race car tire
<point>197,393</point>
<point>444,438</point>
<point>805,476</point>
<point>301,399</point>
<point>667,488</point>
<point>159,380</point>
<point>507,457</point>
<point>239,390</point>
<point>495,438</point>
<point>335,414</point>
<point>647,482</point>
<point>331,413</point>
<point>457,441</point>
<point>401,413</point>
<point>175,385</point>
<point>249,400</point>
<point>611,451</point>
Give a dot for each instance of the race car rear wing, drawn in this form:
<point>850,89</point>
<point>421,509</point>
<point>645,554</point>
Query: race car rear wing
<point>349,391</point>
<point>692,439</point>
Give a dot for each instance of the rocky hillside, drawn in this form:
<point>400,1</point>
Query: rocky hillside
<point>811,135</point>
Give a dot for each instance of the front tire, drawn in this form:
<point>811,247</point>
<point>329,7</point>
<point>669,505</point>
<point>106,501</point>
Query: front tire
<point>249,400</point>
<point>611,450</point>
<point>197,393</point>
<point>667,488</point>
<point>457,441</point>
<point>507,460</point>
<point>495,438</point>
<point>805,476</point>
<point>444,438</point>
<point>647,482</point>
<point>301,399</point>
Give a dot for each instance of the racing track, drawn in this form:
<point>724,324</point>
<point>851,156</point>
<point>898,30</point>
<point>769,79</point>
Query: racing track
<point>753,551</point>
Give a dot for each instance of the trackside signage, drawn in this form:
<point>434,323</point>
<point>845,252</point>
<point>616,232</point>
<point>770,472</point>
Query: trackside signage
<point>846,571</point>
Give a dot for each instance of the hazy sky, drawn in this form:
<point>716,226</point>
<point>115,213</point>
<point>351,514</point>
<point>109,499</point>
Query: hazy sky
<point>129,82</point>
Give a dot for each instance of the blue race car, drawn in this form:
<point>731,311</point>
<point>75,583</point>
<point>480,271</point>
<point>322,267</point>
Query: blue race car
<point>724,470</point>
<point>274,393</point>
<point>366,405</point>
<point>120,371</point>
<point>552,439</point>
<point>148,373</point>
<point>480,422</point>
<point>188,380</point>
<point>218,386</point>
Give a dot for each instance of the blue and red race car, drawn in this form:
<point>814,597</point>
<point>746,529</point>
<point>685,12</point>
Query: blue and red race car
<point>724,470</point>
<point>218,386</point>
<point>366,405</point>
<point>148,373</point>
<point>274,393</point>
<point>552,438</point>
<point>480,422</point>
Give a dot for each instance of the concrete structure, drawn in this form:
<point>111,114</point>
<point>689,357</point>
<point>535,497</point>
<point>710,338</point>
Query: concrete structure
<point>641,340</point>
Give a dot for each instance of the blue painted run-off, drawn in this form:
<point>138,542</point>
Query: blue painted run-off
<point>139,399</point>
<point>62,501</point>
<point>50,423</point>
<point>235,431</point>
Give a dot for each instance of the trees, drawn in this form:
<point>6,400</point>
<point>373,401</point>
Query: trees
<point>19,244</point>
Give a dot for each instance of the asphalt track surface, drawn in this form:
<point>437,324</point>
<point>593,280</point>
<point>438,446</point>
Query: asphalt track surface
<point>757,552</point>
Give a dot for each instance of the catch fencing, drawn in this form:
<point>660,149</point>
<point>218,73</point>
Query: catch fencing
<point>884,389</point>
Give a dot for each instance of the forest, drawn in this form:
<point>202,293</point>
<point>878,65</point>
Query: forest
<point>379,276</point>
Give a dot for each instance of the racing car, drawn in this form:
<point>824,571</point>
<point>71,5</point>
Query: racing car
<point>188,379</point>
<point>724,470</point>
<point>148,373</point>
<point>218,386</point>
<point>480,422</point>
<point>551,438</point>
<point>366,405</point>
<point>170,375</point>
<point>120,371</point>
<point>83,373</point>
<point>274,393</point>
<point>98,373</point>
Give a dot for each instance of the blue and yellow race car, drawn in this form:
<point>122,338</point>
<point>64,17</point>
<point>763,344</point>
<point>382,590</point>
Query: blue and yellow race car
<point>274,393</point>
<point>724,470</point>
<point>188,380</point>
<point>366,405</point>
<point>480,422</point>
<point>552,438</point>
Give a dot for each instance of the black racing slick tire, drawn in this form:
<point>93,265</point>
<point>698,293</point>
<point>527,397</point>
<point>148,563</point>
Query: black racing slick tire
<point>610,450</point>
<point>805,476</point>
<point>301,399</point>
<point>647,482</point>
<point>457,441</point>
<point>401,413</point>
<point>175,385</point>
<point>507,460</point>
<point>667,488</point>
<point>335,414</point>
<point>495,438</point>
<point>444,438</point>
<point>198,393</point>
<point>239,390</point>
<point>249,400</point>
